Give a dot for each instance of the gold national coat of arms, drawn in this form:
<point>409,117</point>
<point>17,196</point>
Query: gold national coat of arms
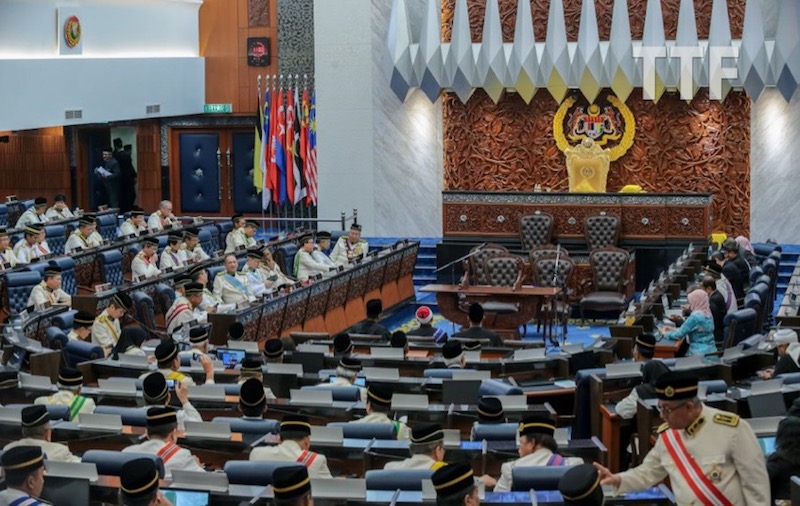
<point>608,123</point>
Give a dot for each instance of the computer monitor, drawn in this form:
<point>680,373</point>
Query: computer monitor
<point>312,362</point>
<point>360,381</point>
<point>461,392</point>
<point>767,445</point>
<point>230,357</point>
<point>66,491</point>
<point>771,404</point>
<point>179,497</point>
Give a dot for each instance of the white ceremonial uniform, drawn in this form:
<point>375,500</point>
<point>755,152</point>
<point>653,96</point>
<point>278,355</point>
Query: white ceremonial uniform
<point>540,458</point>
<point>16,497</point>
<point>105,330</point>
<point>343,252</point>
<point>274,274</point>
<point>187,413</point>
<point>402,429</point>
<point>41,295</point>
<point>236,239</point>
<point>177,376</point>
<point>170,258</point>
<point>25,252</point>
<point>321,257</point>
<point>727,452</point>
<point>129,228</point>
<point>231,288</point>
<point>198,254</point>
<point>256,281</point>
<point>95,239</point>
<point>8,257</point>
<point>724,287</point>
<point>135,351</point>
<point>76,242</point>
<point>73,336</point>
<point>154,221</point>
<point>29,217</point>
<point>182,312</point>
<point>290,451</point>
<point>626,408</point>
<point>173,456</point>
<point>307,266</point>
<point>54,451</point>
<point>54,214</point>
<point>416,461</point>
<point>143,267</point>
<point>67,398</point>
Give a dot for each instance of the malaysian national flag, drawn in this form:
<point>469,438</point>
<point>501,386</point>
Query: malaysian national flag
<point>311,148</point>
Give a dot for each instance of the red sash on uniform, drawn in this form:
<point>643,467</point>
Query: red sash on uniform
<point>556,460</point>
<point>180,308</point>
<point>702,487</point>
<point>168,451</point>
<point>307,458</point>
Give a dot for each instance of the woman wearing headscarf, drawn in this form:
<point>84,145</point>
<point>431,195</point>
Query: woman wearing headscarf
<point>746,251</point>
<point>130,342</point>
<point>698,329</point>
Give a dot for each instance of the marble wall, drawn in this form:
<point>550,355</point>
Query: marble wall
<point>296,37</point>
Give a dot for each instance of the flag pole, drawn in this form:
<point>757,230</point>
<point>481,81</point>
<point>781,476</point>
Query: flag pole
<point>259,154</point>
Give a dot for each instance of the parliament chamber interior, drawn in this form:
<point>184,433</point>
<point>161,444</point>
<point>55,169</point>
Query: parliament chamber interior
<point>449,252</point>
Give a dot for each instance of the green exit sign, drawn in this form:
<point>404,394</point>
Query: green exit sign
<point>218,108</point>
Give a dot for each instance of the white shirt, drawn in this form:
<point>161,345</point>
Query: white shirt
<point>56,215</point>
<point>128,228</point>
<point>25,252</point>
<point>54,451</point>
<point>143,267</point>
<point>154,221</point>
<point>29,217</point>
<point>307,266</point>
<point>230,292</point>
<point>539,458</point>
<point>236,239</point>
<point>76,242</point>
<point>343,252</point>
<point>65,398</point>
<point>290,451</point>
<point>170,258</point>
<point>8,257</point>
<point>105,330</point>
<point>41,295</point>
<point>181,460</point>
<point>256,281</point>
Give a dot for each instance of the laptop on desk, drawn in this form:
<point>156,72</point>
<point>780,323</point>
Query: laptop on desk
<point>230,357</point>
<point>766,405</point>
<point>185,497</point>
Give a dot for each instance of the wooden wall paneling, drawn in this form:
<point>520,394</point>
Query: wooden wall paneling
<point>34,163</point>
<point>148,152</point>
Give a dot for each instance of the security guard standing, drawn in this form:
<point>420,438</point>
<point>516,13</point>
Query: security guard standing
<point>295,435</point>
<point>710,456</point>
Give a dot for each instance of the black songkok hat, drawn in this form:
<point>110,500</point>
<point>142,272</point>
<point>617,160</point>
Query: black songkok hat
<point>273,348</point>
<point>34,416</point>
<point>21,461</point>
<point>531,425</point>
<point>295,424</point>
<point>580,486</point>
<point>676,386</point>
<point>451,349</point>
<point>427,433</point>
<point>290,482</point>
<point>342,343</point>
<point>82,319</point>
<point>236,331</point>
<point>161,415</point>
<point>139,478</point>
<point>70,377</point>
<point>452,479</point>
<point>490,410</point>
<point>166,352</point>
<point>154,388</point>
<point>379,395</point>
<point>251,393</point>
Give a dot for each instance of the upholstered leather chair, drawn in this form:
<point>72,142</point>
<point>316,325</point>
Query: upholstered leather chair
<point>525,478</point>
<point>111,266</point>
<point>256,473</point>
<point>384,431</point>
<point>473,266</point>
<point>144,309</point>
<point>601,231</point>
<point>205,236</point>
<point>57,413</point>
<point>56,338</point>
<point>224,227</point>
<point>81,351</point>
<point>68,282</point>
<point>130,416</point>
<point>165,296</point>
<point>3,216</point>
<point>495,431</point>
<point>554,272</point>
<point>504,271</point>
<point>608,283</point>
<point>64,320</point>
<point>495,387</point>
<point>19,286</point>
<point>110,463</point>
<point>394,479</point>
<point>546,250</point>
<point>56,238</point>
<point>739,325</point>
<point>261,427</point>
<point>107,226</point>
<point>535,229</point>
<point>284,256</point>
<point>212,273</point>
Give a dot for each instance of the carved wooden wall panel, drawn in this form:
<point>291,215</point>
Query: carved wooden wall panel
<point>702,146</point>
<point>604,8</point>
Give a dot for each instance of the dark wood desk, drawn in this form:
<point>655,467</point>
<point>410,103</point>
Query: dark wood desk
<point>452,300</point>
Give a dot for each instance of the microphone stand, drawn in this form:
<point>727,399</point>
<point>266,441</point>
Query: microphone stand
<point>452,266</point>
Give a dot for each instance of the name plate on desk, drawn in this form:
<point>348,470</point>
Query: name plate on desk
<point>623,369</point>
<point>682,364</point>
<point>199,480</point>
<point>209,430</point>
<point>207,393</point>
<point>315,396</point>
<point>332,488</point>
<point>529,354</point>
<point>295,369</point>
<point>409,402</point>
<point>381,373</point>
<point>467,374</point>
<point>327,435</point>
<point>110,423</point>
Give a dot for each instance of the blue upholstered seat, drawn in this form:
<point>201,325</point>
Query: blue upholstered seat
<point>253,473</point>
<point>56,238</point>
<point>110,463</point>
<point>68,282</point>
<point>367,430</point>
<point>3,215</point>
<point>208,237</point>
<point>81,351</point>
<point>493,387</point>
<point>64,320</point>
<point>224,227</point>
<point>144,309</point>
<point>165,296</point>
<point>394,479</point>
<point>111,266</point>
<point>495,431</point>
<point>524,479</point>
<point>130,416</point>
<point>56,338</point>
<point>107,226</point>
<point>19,285</point>
<point>259,427</point>
<point>739,325</point>
<point>54,411</point>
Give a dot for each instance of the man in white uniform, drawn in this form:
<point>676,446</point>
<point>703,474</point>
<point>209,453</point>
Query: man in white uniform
<point>644,349</point>
<point>36,431</point>
<point>536,447</point>
<point>192,251</point>
<point>710,456</point>
<point>238,222</point>
<point>427,448</point>
<point>231,285</point>
<point>256,278</point>
<point>135,225</point>
<point>349,247</point>
<point>70,382</point>
<point>295,435</point>
<point>143,265</point>
<point>169,362</point>
<point>34,215</point>
<point>171,257</point>
<point>28,248</point>
<point>186,307</point>
<point>162,438</point>
<point>455,486</point>
<point>304,264</point>
<point>79,239</point>
<point>155,393</point>
<point>138,484</point>
<point>162,218</point>
<point>60,211</point>
<point>379,402</point>
<point>241,238</point>
<point>106,327</point>
<point>8,259</point>
<point>81,326</point>
<point>23,468</point>
<point>49,290</point>
<point>323,243</point>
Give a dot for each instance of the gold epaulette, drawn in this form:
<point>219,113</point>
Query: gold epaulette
<point>662,427</point>
<point>175,375</point>
<point>438,465</point>
<point>727,419</point>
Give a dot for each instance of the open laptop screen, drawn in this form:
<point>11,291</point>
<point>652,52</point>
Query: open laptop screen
<point>186,497</point>
<point>230,357</point>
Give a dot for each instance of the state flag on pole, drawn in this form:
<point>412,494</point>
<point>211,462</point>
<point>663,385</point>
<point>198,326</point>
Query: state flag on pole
<point>297,151</point>
<point>266,116</point>
<point>311,152</point>
<point>279,136</point>
<point>258,175</point>
<point>289,145</point>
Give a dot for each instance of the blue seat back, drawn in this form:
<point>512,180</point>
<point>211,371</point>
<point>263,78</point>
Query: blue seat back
<point>224,227</point>
<point>259,427</point>
<point>55,412</point>
<point>68,282</point>
<point>212,273</point>
<point>739,325</point>
<point>524,479</point>
<point>284,256</point>
<point>495,431</point>
<point>56,238</point>
<point>110,463</point>
<point>208,237</point>
<point>107,226</point>
<point>394,479</point>
<point>134,249</point>
<point>81,351</point>
<point>790,378</point>
<point>752,300</point>
<point>3,216</point>
<point>56,338</point>
<point>755,273</point>
<point>498,387</point>
<point>714,386</point>
<point>64,320</point>
<point>144,308</point>
<point>130,416</point>
<point>19,285</point>
<point>386,431</point>
<point>340,393</point>
<point>111,266</point>
<point>165,296</point>
<point>438,373</point>
<point>240,262</point>
<point>27,204</point>
<point>257,473</point>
